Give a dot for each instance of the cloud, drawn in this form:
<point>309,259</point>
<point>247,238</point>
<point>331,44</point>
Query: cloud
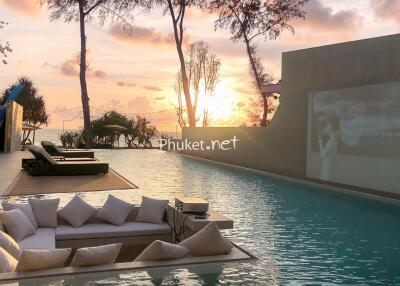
<point>139,104</point>
<point>126,83</point>
<point>70,68</point>
<point>152,88</point>
<point>141,35</point>
<point>30,8</point>
<point>160,98</point>
<point>240,104</point>
<point>386,9</point>
<point>322,18</point>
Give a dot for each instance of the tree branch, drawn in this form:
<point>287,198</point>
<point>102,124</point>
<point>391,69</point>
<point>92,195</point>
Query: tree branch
<point>93,7</point>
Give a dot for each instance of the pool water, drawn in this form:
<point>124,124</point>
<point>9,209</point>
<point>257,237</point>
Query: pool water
<point>302,234</point>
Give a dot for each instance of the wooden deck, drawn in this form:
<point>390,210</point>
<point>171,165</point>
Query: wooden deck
<point>24,184</point>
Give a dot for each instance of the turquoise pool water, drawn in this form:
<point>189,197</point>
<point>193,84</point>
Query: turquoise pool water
<point>302,235</point>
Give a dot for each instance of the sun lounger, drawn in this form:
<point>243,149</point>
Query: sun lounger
<point>54,150</point>
<point>45,165</point>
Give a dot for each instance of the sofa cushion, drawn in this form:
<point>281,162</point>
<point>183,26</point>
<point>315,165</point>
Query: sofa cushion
<point>207,241</point>
<point>40,259</point>
<point>17,224</point>
<point>97,255</point>
<point>45,211</point>
<point>103,230</point>
<point>161,250</point>
<point>25,208</point>
<point>77,211</point>
<point>8,263</point>
<point>151,210</point>
<point>10,245</point>
<point>115,211</point>
<point>44,238</point>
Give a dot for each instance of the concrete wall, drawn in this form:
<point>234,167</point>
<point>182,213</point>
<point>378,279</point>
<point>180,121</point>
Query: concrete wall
<point>282,147</point>
<point>13,127</point>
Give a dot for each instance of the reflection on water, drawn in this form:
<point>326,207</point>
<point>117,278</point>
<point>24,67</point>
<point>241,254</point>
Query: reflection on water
<point>301,234</point>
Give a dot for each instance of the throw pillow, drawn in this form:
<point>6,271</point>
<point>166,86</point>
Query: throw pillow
<point>208,241</point>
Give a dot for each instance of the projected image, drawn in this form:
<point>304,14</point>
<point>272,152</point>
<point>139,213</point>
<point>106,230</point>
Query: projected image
<point>361,122</point>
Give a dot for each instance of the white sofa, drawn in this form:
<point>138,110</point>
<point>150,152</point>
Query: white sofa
<point>97,232</point>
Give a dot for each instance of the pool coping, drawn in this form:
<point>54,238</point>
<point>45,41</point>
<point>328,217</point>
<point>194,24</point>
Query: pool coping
<point>344,190</point>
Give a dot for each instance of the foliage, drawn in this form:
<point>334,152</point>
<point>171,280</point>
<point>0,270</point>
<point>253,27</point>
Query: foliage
<point>67,138</point>
<point>33,103</point>
<point>249,19</point>
<point>5,48</point>
<point>138,132</point>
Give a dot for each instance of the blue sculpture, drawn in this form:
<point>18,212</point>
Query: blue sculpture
<point>3,110</point>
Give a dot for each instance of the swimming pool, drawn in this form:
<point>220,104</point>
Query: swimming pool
<point>302,235</point>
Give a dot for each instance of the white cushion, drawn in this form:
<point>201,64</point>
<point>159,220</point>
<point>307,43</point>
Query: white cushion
<point>16,223</point>
<point>161,250</point>
<point>39,259</point>
<point>114,210</point>
<point>25,208</point>
<point>8,263</point>
<point>10,245</point>
<point>77,211</point>
<point>44,238</point>
<point>97,255</point>
<point>207,241</point>
<point>151,210</point>
<point>45,211</point>
<point>100,230</point>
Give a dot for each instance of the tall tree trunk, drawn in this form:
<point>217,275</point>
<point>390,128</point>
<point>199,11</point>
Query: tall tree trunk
<point>82,77</point>
<point>178,35</point>
<point>264,96</point>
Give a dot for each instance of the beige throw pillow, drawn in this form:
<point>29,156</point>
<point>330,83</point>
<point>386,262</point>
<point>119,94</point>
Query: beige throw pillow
<point>151,210</point>
<point>17,225</point>
<point>25,208</point>
<point>161,250</point>
<point>114,210</point>
<point>98,255</point>
<point>10,245</point>
<point>208,241</point>
<point>8,263</point>
<point>77,211</point>
<point>40,259</point>
<point>45,211</point>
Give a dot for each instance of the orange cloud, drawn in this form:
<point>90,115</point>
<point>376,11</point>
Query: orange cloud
<point>29,8</point>
<point>70,68</point>
<point>386,9</point>
<point>139,104</point>
<point>141,35</point>
<point>126,83</point>
<point>152,88</point>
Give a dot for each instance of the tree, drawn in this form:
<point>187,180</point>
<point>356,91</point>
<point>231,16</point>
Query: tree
<point>202,68</point>
<point>249,19</point>
<point>34,106</point>
<point>177,10</point>
<point>82,11</point>
<point>5,48</point>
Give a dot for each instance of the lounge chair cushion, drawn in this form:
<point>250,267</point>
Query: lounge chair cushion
<point>10,245</point>
<point>114,210</point>
<point>161,250</point>
<point>97,255</point>
<point>44,238</point>
<point>40,259</point>
<point>104,230</point>
<point>151,210</point>
<point>25,208</point>
<point>77,211</point>
<point>207,241</point>
<point>45,211</point>
<point>8,263</point>
<point>17,225</point>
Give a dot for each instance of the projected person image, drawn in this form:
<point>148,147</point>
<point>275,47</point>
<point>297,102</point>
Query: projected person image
<point>329,148</point>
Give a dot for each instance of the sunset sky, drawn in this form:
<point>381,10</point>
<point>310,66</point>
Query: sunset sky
<point>134,74</point>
